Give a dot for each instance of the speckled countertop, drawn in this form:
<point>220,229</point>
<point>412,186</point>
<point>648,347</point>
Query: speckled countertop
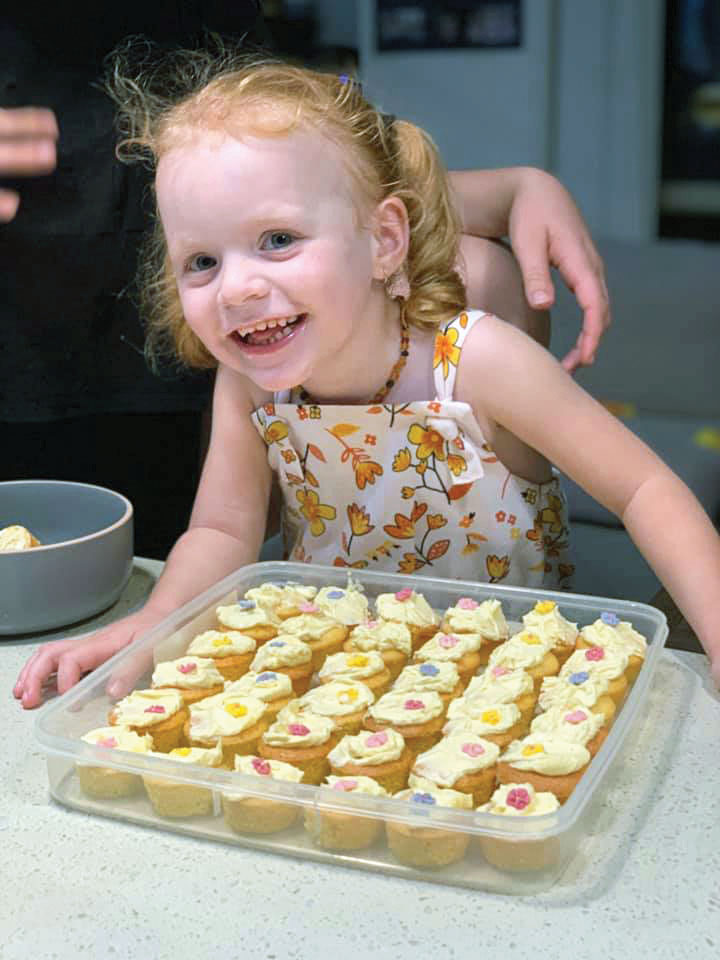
<point>645,883</point>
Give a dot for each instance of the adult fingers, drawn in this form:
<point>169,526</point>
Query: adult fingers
<point>32,122</point>
<point>27,156</point>
<point>530,247</point>
<point>9,203</point>
<point>124,678</point>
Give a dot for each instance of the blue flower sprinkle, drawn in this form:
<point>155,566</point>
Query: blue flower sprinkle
<point>580,677</point>
<point>429,670</point>
<point>611,619</point>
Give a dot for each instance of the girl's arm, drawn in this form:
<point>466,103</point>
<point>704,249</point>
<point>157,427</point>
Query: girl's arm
<point>225,532</point>
<point>527,392</point>
<point>545,229</point>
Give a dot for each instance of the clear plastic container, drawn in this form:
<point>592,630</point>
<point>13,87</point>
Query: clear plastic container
<point>501,854</point>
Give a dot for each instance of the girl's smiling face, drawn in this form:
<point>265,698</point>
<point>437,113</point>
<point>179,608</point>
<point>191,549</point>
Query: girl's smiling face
<point>261,233</point>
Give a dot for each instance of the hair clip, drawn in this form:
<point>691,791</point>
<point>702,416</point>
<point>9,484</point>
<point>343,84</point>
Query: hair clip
<point>345,78</point>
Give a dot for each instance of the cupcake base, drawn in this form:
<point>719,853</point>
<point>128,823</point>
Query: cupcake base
<point>313,761</point>
<point>561,786</point>
<point>171,799</point>
<point>393,775</point>
<point>424,846</point>
<point>103,783</point>
<point>341,831</point>
<point>258,815</point>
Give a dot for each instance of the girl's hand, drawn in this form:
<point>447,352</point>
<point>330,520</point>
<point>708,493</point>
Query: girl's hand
<point>546,229</point>
<point>27,148</point>
<point>68,660</point>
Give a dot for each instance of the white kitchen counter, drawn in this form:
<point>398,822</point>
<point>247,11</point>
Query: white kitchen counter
<point>645,883</point>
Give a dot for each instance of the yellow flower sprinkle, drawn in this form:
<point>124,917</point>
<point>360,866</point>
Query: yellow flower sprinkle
<point>545,606</point>
<point>348,696</point>
<point>358,660</point>
<point>531,639</point>
<point>532,749</point>
<point>490,716</point>
<point>180,752</point>
<point>223,641</point>
<point>235,709</point>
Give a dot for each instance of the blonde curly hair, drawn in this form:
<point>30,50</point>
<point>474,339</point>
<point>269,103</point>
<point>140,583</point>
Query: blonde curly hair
<point>166,106</point>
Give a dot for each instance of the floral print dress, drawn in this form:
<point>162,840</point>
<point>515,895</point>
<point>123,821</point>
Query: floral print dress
<point>412,487</point>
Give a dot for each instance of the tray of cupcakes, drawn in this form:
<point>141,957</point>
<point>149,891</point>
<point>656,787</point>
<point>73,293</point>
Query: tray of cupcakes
<point>435,729</point>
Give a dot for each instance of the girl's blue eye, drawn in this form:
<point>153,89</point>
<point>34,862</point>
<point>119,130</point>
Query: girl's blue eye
<point>200,262</point>
<point>277,240</point>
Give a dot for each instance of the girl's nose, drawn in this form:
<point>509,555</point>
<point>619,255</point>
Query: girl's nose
<point>240,283</point>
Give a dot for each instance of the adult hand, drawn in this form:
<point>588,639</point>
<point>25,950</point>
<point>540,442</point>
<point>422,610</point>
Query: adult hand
<point>27,147</point>
<point>546,229</point>
<point>66,661</point>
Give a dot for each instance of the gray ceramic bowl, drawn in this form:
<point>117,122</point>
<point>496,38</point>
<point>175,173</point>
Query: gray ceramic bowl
<point>83,564</point>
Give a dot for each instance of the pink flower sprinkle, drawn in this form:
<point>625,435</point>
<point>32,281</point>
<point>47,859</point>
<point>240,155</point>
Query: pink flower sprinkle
<point>403,594</point>
<point>261,766</point>
<point>518,798</point>
<point>345,785</point>
<point>106,742</point>
<point>377,739</point>
<point>155,708</point>
<point>414,705</point>
<point>187,667</point>
<point>371,624</point>
<point>499,671</point>
<point>594,653</point>
<point>307,608</point>
<point>473,749</point>
<point>298,729</point>
<point>465,603</point>
<point>577,716</point>
<point>448,640</point>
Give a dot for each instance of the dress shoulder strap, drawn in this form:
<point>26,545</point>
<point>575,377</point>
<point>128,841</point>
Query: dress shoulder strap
<point>448,345</point>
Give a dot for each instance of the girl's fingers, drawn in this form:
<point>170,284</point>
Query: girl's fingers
<point>125,677</point>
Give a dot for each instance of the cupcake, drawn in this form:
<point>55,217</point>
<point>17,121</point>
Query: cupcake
<point>193,677</point>
<point>250,618</point>
<point>462,649</point>
<point>500,723</point>
<point>442,678</point>
<point>304,743</point>
<point>610,663</point>
<point>527,651</point>
<point>334,829</point>
<point>348,605</point>
<point>547,762</point>
<point>608,630</point>
<point>460,761</point>
<point>391,640</point>
<point>485,619</point>
<point>418,716</point>
<point>282,600</point>
<point>409,608</point>
<point>520,853</point>
<point>288,655</point>
<point>170,798</point>
<point>161,713</point>
<point>230,651</point>
<point>418,845</point>
<point>343,701</point>
<point>274,689</point>
<point>382,756</point>
<point>105,783</point>
<point>321,633</point>
<point>503,685</point>
<point>578,689</point>
<point>550,625</point>
<point>577,725</point>
<point>245,813</point>
<point>369,668</point>
<point>234,721</point>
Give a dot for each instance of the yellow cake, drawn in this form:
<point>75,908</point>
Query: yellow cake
<point>234,721</point>
<point>230,651</point>
<point>419,845</point>
<point>245,813</point>
<point>391,640</point>
<point>169,798</point>
<point>368,668</point>
<point>520,853</point>
<point>419,716</point>
<point>334,829</point>
<point>304,743</point>
<point>382,756</point>
<point>460,761</point>
<point>161,713</point>
<point>193,677</point>
<point>105,783</point>
<point>412,609</point>
<point>289,655</point>
<point>343,701</point>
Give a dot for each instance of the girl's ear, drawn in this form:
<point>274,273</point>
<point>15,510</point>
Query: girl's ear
<point>391,236</point>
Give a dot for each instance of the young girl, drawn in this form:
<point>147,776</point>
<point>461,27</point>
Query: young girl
<point>307,249</point>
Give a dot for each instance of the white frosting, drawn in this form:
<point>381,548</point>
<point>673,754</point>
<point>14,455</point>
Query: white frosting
<point>282,651</point>
<point>201,756</point>
<point>480,718</point>
<point>486,618</point>
<point>244,615</point>
<point>499,685</point>
<point>146,708</point>
<point>525,650</point>
<point>339,698</point>
<point>221,643</point>
<point>407,707</point>
<point>525,801</point>
<point>634,642</point>
<point>224,715</point>
<point>623,636</point>
<point>577,725</point>
<point>547,754</point>
<point>368,749</point>
<point>426,794</point>
<point>352,666</point>
<point>187,673</point>
<point>310,626</point>
<point>550,625</point>
<point>347,606</point>
<point>266,686</point>
<point>356,785</point>
<point>119,738</point>
<point>563,692</point>
<point>270,596</point>
<point>412,608</point>
<point>275,769</point>
<point>449,646</point>
<point>441,677</point>
<point>309,730</point>
<point>606,662</point>
<point>453,757</point>
<point>382,635</point>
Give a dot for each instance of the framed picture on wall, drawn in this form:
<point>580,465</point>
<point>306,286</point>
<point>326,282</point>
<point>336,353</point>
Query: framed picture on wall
<point>448,24</point>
